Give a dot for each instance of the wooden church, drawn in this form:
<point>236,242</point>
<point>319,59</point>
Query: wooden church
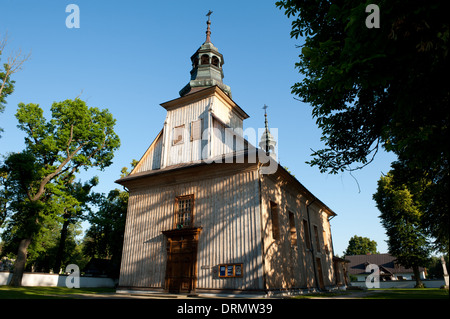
<point>209,212</point>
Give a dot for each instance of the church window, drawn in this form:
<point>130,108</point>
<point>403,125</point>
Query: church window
<point>292,229</point>
<point>316,234</point>
<point>184,211</point>
<point>196,130</point>
<point>275,223</point>
<point>205,59</point>
<point>215,61</point>
<point>306,233</point>
<point>324,236</point>
<point>178,135</point>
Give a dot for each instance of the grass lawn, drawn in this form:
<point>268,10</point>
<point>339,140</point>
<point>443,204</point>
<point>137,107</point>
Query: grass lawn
<point>325,295</point>
<point>7,292</point>
<point>413,293</point>
<point>394,293</point>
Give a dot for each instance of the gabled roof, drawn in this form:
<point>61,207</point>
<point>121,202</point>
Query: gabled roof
<point>249,152</point>
<point>201,94</point>
<point>149,149</point>
<point>386,262</point>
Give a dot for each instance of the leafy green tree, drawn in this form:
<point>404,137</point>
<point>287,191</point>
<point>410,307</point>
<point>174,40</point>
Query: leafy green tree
<point>104,238</point>
<point>379,87</point>
<point>13,64</point>
<point>361,246</point>
<point>431,198</point>
<point>435,269</point>
<point>372,87</point>
<point>73,213</point>
<point>44,248</point>
<point>400,216</point>
<point>22,216</point>
<point>76,137</point>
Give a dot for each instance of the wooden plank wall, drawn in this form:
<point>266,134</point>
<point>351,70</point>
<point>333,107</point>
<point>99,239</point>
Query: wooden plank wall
<point>287,266</point>
<point>152,158</point>
<point>226,207</point>
<point>194,150</point>
<point>223,111</point>
<point>188,150</point>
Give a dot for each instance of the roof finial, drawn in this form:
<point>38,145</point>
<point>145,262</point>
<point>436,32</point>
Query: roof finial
<point>266,131</point>
<point>208,31</point>
<point>268,142</point>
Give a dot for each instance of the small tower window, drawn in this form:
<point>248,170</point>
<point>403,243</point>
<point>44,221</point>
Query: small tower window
<point>205,59</point>
<point>178,133</point>
<point>196,130</point>
<point>215,61</point>
<point>195,62</point>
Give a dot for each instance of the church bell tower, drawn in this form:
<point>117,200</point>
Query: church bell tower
<point>207,64</point>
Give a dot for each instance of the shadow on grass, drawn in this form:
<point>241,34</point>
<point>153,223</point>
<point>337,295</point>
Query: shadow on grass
<point>413,293</point>
<point>394,293</point>
<point>7,292</point>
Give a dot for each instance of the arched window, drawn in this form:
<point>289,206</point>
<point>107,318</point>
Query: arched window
<point>205,59</point>
<point>215,61</point>
<point>195,62</point>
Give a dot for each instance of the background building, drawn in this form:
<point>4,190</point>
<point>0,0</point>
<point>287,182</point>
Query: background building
<point>389,269</point>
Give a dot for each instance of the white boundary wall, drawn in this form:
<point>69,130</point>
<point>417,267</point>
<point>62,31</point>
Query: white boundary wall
<point>402,284</point>
<point>54,280</point>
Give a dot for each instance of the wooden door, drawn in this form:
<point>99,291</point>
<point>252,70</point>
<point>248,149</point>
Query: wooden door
<point>320,273</point>
<point>181,268</point>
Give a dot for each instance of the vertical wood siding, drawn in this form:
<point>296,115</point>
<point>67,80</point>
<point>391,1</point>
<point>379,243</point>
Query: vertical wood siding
<point>224,113</point>
<point>187,151</point>
<point>152,158</point>
<point>288,266</point>
<point>163,153</point>
<point>227,209</point>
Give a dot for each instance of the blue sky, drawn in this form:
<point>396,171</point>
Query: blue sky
<point>130,56</point>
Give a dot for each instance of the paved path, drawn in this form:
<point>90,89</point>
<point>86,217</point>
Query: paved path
<point>353,294</point>
<point>349,294</point>
<point>155,295</point>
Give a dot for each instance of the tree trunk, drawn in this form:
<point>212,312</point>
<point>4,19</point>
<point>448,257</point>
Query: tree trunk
<point>419,283</point>
<point>62,244</point>
<point>19,265</point>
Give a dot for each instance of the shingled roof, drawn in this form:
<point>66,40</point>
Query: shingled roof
<point>386,262</point>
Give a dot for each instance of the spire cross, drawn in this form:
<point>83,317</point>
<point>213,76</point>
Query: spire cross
<point>209,15</point>
<point>208,31</point>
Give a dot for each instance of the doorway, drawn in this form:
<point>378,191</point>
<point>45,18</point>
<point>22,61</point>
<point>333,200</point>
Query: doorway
<point>181,267</point>
<point>320,273</point>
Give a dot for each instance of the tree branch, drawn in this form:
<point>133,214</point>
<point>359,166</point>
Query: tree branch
<point>14,62</point>
<point>58,171</point>
<point>70,140</point>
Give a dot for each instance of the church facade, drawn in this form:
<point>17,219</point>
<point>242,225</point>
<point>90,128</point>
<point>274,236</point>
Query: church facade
<point>210,212</point>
